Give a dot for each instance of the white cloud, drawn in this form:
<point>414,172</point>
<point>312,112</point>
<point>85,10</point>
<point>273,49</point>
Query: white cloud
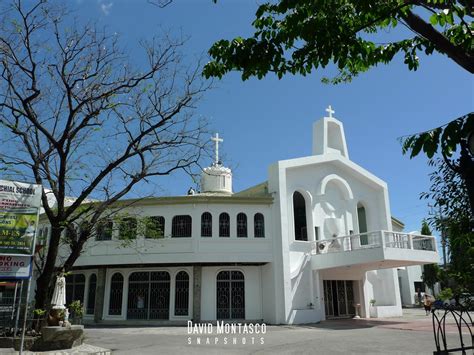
<point>106,7</point>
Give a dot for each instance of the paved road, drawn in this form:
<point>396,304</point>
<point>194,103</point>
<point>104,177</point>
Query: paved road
<point>408,335</point>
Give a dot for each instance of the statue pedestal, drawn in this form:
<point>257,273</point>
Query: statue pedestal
<point>57,338</point>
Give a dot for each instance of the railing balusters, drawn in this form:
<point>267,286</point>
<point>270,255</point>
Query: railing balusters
<point>374,239</point>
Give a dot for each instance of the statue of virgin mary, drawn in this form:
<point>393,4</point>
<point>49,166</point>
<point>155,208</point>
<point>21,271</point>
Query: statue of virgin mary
<point>59,295</point>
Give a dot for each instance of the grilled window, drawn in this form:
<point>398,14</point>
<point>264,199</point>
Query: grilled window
<point>116,295</point>
<point>206,225</point>
<point>104,230</point>
<point>181,298</point>
<point>155,227</point>
<point>259,225</point>
<point>91,294</point>
<point>242,225</point>
<point>224,225</point>
<point>75,286</point>
<point>128,228</point>
<point>181,227</point>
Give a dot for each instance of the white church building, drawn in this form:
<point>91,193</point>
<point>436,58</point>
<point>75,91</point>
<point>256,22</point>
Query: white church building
<point>314,241</point>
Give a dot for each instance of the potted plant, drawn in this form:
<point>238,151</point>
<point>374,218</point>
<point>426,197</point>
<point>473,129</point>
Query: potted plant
<point>373,309</point>
<point>39,316</point>
<point>77,311</point>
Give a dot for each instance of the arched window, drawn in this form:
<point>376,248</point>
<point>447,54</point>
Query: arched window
<point>230,295</point>
<point>299,212</point>
<point>259,225</point>
<point>181,227</point>
<point>155,227</point>
<point>91,294</point>
<point>181,296</point>
<point>242,225</point>
<point>128,228</point>
<point>362,219</point>
<point>75,287</point>
<point>206,224</point>
<point>116,295</point>
<point>224,225</point>
<point>104,230</point>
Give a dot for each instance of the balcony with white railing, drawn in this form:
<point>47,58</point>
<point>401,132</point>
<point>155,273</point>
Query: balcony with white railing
<point>374,250</point>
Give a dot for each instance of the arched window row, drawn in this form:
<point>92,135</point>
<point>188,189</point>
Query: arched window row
<point>241,225</point>
<point>181,227</point>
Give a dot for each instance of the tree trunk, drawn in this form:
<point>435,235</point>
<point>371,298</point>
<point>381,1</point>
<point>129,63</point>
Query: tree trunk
<point>44,281</point>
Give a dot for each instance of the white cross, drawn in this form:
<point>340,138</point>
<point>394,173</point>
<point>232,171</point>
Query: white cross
<point>330,111</point>
<point>216,139</point>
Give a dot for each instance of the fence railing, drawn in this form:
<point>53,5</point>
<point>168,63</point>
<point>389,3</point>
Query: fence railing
<point>463,325</point>
<point>375,239</point>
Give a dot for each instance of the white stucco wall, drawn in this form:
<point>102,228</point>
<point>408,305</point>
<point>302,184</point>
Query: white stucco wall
<point>185,250</point>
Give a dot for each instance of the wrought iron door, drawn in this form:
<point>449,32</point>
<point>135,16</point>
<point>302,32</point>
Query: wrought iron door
<point>148,295</point>
<point>338,298</point>
<point>328,304</point>
<point>230,298</point>
<point>159,295</point>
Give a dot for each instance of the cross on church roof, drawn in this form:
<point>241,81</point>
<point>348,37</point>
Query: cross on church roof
<point>330,111</point>
<point>216,140</point>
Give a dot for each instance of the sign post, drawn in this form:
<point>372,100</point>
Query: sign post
<point>20,205</point>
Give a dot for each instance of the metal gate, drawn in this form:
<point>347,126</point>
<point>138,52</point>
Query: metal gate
<point>339,298</point>
<point>148,295</point>
<point>230,295</point>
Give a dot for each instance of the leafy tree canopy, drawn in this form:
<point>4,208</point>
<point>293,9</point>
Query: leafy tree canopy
<point>451,198</point>
<point>298,36</point>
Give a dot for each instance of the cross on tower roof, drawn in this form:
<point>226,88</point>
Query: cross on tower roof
<point>216,140</point>
<point>330,111</point>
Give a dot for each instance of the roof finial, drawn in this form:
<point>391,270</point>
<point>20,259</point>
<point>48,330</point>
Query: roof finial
<point>330,111</point>
<point>216,140</point>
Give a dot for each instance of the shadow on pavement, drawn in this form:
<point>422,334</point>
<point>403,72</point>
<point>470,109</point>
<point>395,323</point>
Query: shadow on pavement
<point>348,324</point>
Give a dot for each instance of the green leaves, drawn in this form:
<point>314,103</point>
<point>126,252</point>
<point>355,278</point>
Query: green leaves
<point>449,193</point>
<point>299,36</point>
<point>446,138</point>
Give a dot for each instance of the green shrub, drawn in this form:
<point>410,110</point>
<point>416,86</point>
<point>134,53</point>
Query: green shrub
<point>77,309</point>
<point>445,294</point>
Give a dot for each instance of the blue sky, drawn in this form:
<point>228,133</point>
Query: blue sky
<point>263,121</point>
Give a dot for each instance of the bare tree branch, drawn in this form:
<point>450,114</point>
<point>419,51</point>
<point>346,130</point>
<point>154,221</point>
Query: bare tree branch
<point>77,117</point>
